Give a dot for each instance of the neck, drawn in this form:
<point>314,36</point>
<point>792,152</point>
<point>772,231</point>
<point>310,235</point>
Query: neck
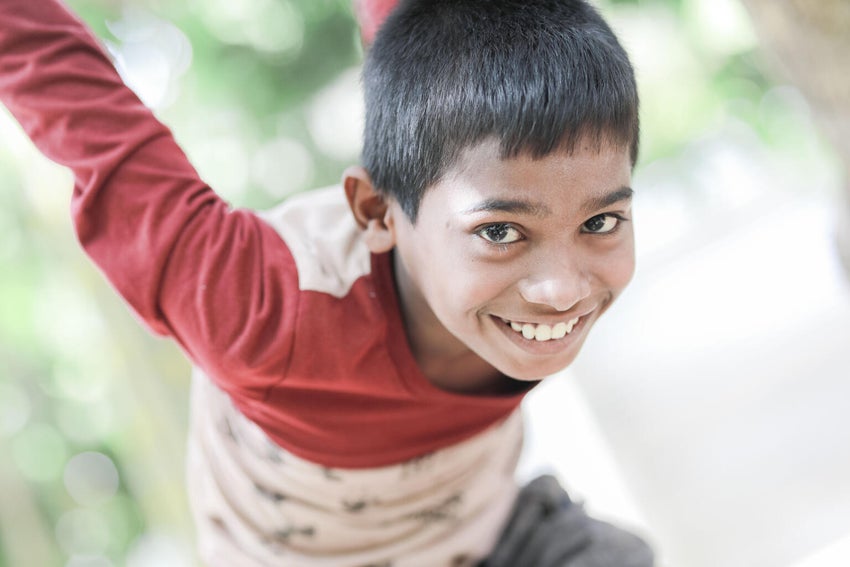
<point>467,374</point>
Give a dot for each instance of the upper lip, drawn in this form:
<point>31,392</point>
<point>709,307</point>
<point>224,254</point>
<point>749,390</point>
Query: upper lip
<point>548,319</point>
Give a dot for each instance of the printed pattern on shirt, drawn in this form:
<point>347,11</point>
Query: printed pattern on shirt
<point>255,502</point>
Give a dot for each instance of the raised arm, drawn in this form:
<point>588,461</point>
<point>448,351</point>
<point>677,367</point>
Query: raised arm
<point>220,281</point>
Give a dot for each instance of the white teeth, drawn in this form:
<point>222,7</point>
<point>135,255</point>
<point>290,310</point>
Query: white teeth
<point>560,330</point>
<point>543,332</point>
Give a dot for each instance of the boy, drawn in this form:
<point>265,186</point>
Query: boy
<point>362,351</point>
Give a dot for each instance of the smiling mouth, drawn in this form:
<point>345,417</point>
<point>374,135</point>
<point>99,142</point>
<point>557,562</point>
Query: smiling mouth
<point>543,332</point>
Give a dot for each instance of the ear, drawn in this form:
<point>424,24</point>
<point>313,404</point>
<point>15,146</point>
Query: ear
<point>370,209</point>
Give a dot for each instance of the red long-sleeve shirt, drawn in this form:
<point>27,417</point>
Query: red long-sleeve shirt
<point>289,313</point>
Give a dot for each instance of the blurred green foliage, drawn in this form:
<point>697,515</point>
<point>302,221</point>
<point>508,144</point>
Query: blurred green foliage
<point>80,375</point>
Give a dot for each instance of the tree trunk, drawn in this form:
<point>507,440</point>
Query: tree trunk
<point>810,42</point>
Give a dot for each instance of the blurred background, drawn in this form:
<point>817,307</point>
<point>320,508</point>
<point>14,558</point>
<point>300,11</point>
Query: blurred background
<point>710,410</point>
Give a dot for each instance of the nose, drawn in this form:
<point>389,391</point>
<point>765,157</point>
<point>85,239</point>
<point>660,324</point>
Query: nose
<point>558,282</point>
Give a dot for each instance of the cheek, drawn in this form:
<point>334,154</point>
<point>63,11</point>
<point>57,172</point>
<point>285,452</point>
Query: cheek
<point>469,285</point>
<point>619,268</point>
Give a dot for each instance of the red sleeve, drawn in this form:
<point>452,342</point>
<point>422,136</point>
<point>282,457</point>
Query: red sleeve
<point>220,281</point>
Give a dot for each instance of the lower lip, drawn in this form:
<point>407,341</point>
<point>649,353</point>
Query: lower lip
<point>552,346</point>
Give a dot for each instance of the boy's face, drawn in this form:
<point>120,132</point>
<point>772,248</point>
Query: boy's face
<point>543,246</point>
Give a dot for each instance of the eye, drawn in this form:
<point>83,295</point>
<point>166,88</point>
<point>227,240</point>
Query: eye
<point>500,233</point>
<point>605,223</point>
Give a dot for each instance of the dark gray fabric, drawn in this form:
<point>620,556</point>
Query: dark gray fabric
<point>547,529</point>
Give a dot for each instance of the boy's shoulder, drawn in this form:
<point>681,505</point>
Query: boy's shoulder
<point>323,238</point>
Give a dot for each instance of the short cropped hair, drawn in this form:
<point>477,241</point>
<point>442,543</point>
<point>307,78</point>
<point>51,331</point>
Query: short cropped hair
<point>445,75</point>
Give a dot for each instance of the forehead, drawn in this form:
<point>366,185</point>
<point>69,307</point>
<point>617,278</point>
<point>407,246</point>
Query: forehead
<point>556,183</point>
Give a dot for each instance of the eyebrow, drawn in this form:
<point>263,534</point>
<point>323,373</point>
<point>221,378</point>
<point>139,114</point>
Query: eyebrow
<point>596,203</point>
<point>518,206</point>
<point>515,206</point>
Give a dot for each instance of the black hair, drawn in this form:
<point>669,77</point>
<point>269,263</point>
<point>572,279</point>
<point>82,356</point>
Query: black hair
<point>444,75</point>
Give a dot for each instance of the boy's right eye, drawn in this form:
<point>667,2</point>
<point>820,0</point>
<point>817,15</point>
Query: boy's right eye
<point>500,233</point>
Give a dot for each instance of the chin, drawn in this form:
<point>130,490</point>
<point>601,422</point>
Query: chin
<point>535,373</point>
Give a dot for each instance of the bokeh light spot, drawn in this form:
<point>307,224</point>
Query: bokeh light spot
<point>91,478</point>
<point>151,57</point>
<point>39,452</point>
<point>282,166</point>
<point>336,117</point>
